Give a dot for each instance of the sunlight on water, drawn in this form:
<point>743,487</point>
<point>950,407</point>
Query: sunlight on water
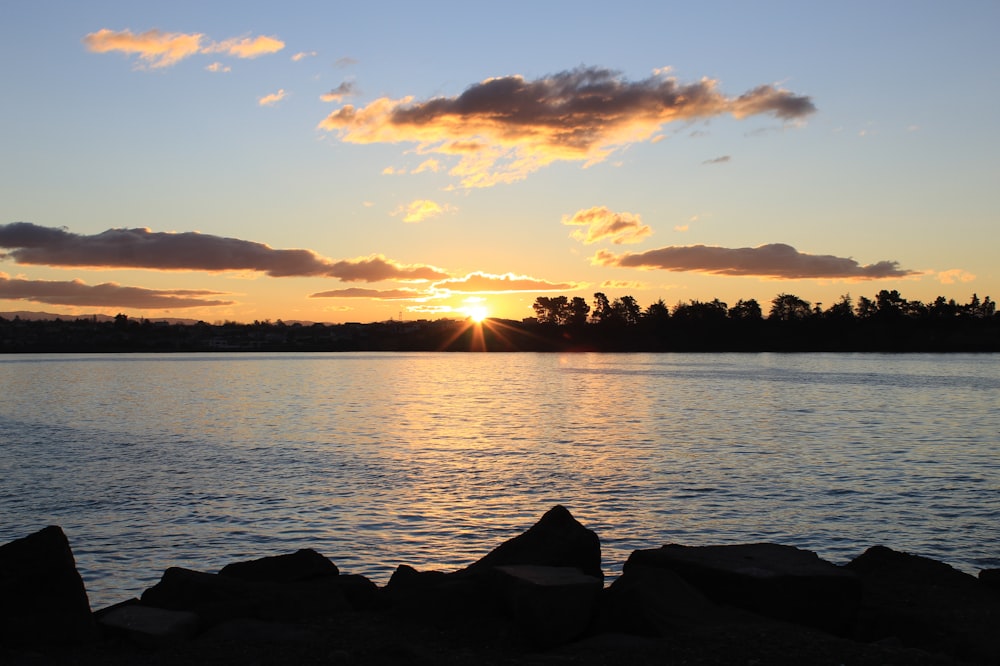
<point>375,460</point>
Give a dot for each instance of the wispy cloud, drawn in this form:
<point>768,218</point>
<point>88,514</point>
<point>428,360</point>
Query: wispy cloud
<point>718,160</point>
<point>502,129</point>
<point>109,294</point>
<point>218,67</point>
<point>302,55</point>
<point>156,49</point>
<point>421,209</point>
<point>487,283</point>
<point>141,248</point>
<point>954,276</point>
<point>604,224</point>
<point>272,99</point>
<point>776,260</point>
<point>377,294</point>
<point>345,89</point>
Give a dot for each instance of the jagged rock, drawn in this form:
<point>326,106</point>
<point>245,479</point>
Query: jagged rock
<point>990,578</point>
<point>42,596</point>
<point>776,581</point>
<point>550,605</point>
<point>216,598</point>
<point>653,601</point>
<point>301,565</point>
<point>150,627</point>
<point>926,604</point>
<point>556,540</point>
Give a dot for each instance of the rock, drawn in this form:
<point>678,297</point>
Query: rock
<point>303,564</point>
<point>776,581</point>
<point>990,578</point>
<point>652,601</point>
<point>42,596</point>
<point>550,605</point>
<point>149,627</point>
<point>247,632</point>
<point>556,540</point>
<point>926,604</point>
<point>216,598</point>
<point>438,594</point>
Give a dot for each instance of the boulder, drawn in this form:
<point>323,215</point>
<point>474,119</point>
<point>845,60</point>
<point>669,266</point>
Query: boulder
<point>549,605</point>
<point>438,594</point>
<point>773,580</point>
<point>990,578</point>
<point>556,540</point>
<point>303,564</point>
<point>149,627</point>
<point>652,601</point>
<point>926,604</point>
<point>216,598</point>
<point>42,596</point>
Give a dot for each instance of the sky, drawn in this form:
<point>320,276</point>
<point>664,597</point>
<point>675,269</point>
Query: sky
<point>339,162</point>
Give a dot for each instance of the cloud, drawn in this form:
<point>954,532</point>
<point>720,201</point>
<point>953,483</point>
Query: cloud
<point>504,128</point>
<point>218,67</point>
<point>486,283</point>
<point>623,284</point>
<point>421,209</point>
<point>955,275</point>
<point>246,47</point>
<point>157,49</point>
<point>603,224</point>
<point>345,89</point>
<point>377,294</point>
<point>718,160</point>
<point>141,248</point>
<point>273,98</point>
<point>345,61</point>
<point>109,294</point>
<point>428,165</point>
<point>775,260</point>
<point>302,55</point>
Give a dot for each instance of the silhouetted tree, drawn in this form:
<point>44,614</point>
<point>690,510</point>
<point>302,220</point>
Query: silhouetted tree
<point>746,310</point>
<point>696,310</point>
<point>657,312</point>
<point>554,310</point>
<point>841,310</point>
<point>626,310</point>
<point>578,311</point>
<point>602,311</point>
<point>788,307</point>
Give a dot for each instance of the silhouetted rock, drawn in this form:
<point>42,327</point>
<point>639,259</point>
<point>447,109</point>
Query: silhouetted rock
<point>549,605</point>
<point>216,598</point>
<point>990,578</point>
<point>437,594</point>
<point>303,564</point>
<point>556,540</point>
<point>927,604</point>
<point>777,581</point>
<point>42,596</point>
<point>654,601</point>
<point>146,626</point>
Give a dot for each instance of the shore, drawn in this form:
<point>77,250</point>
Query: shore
<point>539,598</point>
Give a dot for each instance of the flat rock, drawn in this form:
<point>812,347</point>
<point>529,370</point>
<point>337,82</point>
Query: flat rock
<point>148,626</point>
<point>773,580</point>
<point>304,564</point>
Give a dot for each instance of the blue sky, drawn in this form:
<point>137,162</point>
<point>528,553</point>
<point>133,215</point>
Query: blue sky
<point>869,161</point>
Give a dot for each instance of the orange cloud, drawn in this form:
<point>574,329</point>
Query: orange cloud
<point>955,275</point>
<point>603,224</point>
<point>502,129</point>
<point>163,49</point>
<point>141,248</point>
<point>218,67</point>
<point>302,55</point>
<point>776,260</point>
<point>272,99</point>
<point>156,48</point>
<point>109,294</point>
<point>486,283</point>
<point>421,209</point>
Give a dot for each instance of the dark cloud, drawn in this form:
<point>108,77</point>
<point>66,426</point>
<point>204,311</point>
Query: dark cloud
<point>776,260</point>
<point>345,89</point>
<point>513,126</point>
<point>141,248</point>
<point>108,294</point>
<point>377,294</point>
<point>718,160</point>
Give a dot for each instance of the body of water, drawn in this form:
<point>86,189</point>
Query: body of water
<point>150,461</point>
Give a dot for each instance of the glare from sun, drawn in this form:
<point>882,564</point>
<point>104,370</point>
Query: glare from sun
<point>477,313</point>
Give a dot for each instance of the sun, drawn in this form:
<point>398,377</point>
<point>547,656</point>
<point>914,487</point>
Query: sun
<point>477,313</point>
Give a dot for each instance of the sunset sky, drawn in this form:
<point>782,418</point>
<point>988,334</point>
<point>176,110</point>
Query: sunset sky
<point>337,162</point>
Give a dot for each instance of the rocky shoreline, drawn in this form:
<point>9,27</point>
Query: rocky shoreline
<point>539,598</point>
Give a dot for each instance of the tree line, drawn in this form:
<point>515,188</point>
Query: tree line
<point>626,311</point>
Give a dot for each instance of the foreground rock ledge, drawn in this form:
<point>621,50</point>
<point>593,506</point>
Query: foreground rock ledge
<point>538,598</point>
